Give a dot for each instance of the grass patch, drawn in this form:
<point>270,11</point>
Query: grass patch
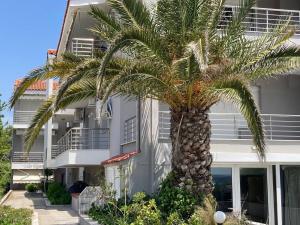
<point>11,216</point>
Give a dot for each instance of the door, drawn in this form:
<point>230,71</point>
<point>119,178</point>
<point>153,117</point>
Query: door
<point>247,189</point>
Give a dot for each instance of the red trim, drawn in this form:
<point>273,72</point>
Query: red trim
<point>37,86</point>
<point>120,158</point>
<point>63,25</point>
<point>52,51</point>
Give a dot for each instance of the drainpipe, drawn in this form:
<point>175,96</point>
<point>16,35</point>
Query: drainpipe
<point>138,141</point>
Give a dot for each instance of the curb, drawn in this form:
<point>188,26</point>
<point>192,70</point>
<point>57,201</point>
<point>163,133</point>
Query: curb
<point>5,197</point>
<point>48,204</point>
<point>35,219</point>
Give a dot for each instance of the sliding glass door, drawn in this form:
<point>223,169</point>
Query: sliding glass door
<point>247,189</point>
<point>254,193</point>
<point>290,189</point>
<point>222,178</point>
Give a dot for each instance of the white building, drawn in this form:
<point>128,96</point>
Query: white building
<point>132,148</point>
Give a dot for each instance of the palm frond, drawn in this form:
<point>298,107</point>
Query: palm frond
<point>132,13</point>
<point>236,91</point>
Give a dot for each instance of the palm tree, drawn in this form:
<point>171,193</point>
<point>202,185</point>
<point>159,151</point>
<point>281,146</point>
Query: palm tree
<point>180,56</point>
<point>176,53</point>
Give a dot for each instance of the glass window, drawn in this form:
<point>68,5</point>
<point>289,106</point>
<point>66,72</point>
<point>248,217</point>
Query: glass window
<point>222,178</point>
<point>130,130</point>
<point>290,194</point>
<point>254,197</point>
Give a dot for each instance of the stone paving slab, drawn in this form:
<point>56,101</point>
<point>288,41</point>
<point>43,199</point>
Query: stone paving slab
<point>62,215</point>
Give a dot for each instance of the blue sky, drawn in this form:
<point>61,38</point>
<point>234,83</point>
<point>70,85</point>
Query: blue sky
<point>28,29</point>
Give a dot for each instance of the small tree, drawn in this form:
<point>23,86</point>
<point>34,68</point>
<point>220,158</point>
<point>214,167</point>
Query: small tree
<point>5,148</point>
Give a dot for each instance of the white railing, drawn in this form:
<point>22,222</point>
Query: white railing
<point>27,157</point>
<point>232,126</point>
<point>86,47</point>
<point>82,139</point>
<point>263,19</point>
<point>23,117</point>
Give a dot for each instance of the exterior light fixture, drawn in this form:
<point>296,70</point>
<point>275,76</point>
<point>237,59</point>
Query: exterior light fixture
<point>219,217</point>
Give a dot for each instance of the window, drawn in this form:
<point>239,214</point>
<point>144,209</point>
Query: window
<point>222,178</point>
<point>290,187</point>
<point>254,197</point>
<point>130,130</point>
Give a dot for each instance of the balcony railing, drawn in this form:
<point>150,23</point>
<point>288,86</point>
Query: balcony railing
<point>86,47</point>
<point>263,19</point>
<point>82,139</point>
<point>23,117</point>
<point>34,157</point>
<point>232,126</point>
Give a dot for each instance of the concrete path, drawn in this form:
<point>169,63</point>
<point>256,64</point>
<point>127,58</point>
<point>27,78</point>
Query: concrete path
<point>60,215</point>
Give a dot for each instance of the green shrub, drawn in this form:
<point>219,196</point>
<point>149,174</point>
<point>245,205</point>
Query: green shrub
<point>31,187</point>
<point>58,195</point>
<point>10,216</point>
<point>171,199</point>
<point>174,219</point>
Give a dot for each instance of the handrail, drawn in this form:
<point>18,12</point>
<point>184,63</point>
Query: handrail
<point>261,20</point>
<point>27,157</point>
<point>273,9</point>
<point>233,126</point>
<point>82,139</point>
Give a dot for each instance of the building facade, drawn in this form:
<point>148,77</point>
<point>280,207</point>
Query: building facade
<point>131,149</point>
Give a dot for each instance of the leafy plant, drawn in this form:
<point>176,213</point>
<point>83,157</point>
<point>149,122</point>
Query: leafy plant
<point>11,216</point>
<point>57,194</point>
<point>173,199</point>
<point>175,219</point>
<point>31,187</point>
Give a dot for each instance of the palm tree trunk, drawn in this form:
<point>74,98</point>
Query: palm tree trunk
<point>191,158</point>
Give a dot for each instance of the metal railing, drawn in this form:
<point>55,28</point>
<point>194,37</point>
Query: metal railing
<point>27,157</point>
<point>82,139</point>
<point>263,19</point>
<point>23,117</point>
<point>232,126</point>
<point>86,47</point>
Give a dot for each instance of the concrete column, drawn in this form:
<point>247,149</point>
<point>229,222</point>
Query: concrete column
<point>278,195</point>
<point>81,174</point>
<point>66,176</point>
<point>48,129</point>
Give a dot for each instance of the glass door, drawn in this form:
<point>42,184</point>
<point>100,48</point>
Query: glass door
<point>254,194</point>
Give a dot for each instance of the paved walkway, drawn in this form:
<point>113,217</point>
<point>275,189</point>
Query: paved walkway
<point>47,215</point>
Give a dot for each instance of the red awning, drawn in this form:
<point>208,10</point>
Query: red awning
<point>120,158</point>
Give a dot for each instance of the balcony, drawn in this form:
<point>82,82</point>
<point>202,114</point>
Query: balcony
<point>31,160</point>
<point>86,47</point>
<point>263,19</point>
<point>27,157</point>
<point>81,146</point>
<point>23,117</point>
<point>232,126</point>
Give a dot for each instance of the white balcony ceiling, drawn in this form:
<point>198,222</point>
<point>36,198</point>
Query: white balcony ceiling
<point>80,158</point>
<point>86,2</point>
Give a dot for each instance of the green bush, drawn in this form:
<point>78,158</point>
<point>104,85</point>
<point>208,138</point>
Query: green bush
<point>171,199</point>
<point>31,187</point>
<point>58,195</point>
<point>10,216</point>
